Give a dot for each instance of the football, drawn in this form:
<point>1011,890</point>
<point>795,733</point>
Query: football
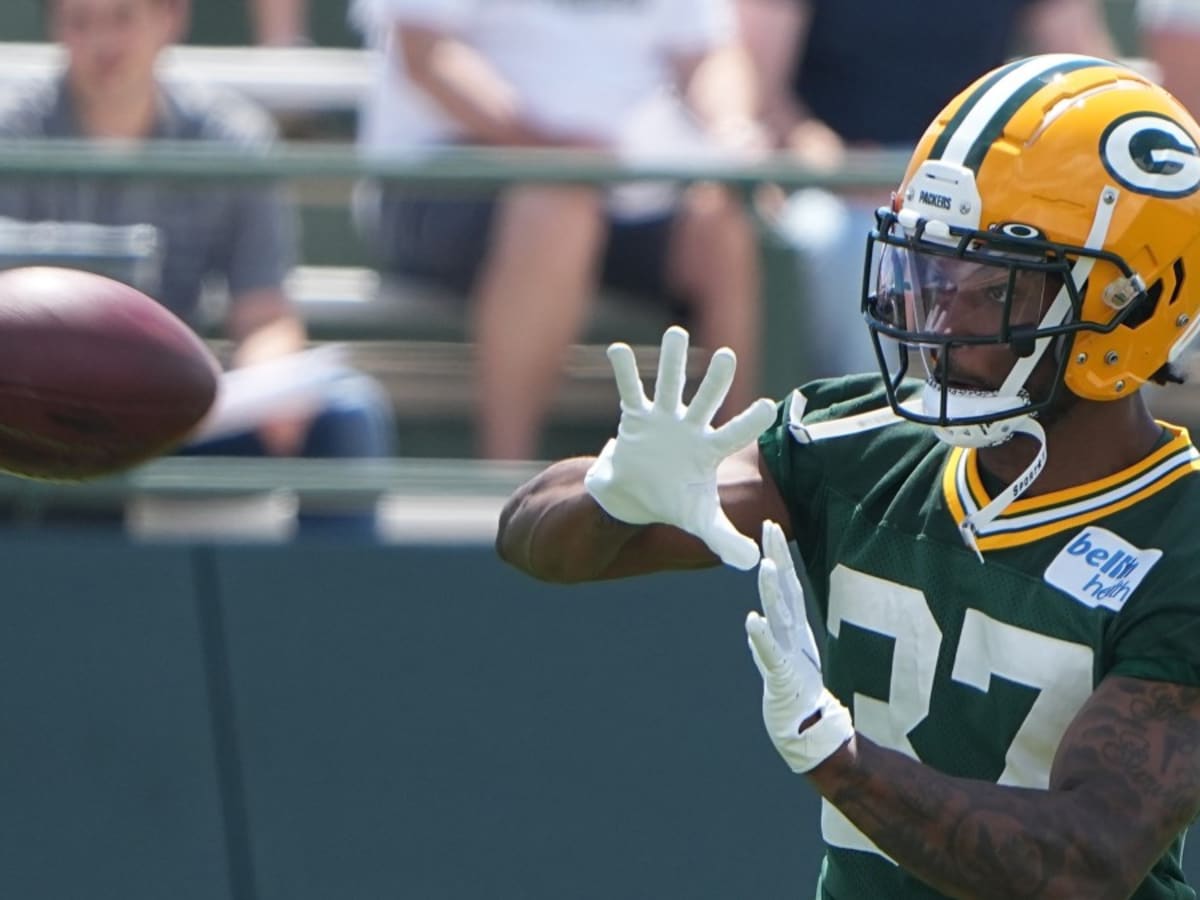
<point>95,376</point>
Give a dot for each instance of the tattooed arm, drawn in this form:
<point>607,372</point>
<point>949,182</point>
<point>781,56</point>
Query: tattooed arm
<point>1125,782</point>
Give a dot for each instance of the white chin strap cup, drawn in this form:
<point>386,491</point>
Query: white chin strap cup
<point>962,404</point>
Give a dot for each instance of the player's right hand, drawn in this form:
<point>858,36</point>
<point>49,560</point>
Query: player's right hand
<point>662,466</point>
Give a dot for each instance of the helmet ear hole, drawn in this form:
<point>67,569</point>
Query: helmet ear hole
<point>1178,271</point>
<point>1143,309</point>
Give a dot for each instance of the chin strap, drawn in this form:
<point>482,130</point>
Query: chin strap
<point>972,524</point>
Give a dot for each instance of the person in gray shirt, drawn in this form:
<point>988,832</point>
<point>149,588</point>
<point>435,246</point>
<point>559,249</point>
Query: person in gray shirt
<point>241,234</point>
<point>244,233</point>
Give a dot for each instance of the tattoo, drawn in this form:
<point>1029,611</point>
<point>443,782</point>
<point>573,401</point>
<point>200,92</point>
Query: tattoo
<point>1126,781</point>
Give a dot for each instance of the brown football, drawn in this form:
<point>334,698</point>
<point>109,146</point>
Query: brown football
<point>95,376</point>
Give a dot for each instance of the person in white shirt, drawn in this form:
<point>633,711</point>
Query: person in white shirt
<point>616,76</point>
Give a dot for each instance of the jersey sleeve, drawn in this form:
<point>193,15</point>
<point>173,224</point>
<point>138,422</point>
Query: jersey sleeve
<point>802,471</point>
<point>850,468</point>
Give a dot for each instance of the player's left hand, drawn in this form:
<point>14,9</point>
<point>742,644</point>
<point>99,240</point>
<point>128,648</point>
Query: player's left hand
<point>786,655</point>
<point>662,466</point>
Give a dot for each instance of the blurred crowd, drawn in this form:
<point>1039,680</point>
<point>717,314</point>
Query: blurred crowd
<point>678,81</point>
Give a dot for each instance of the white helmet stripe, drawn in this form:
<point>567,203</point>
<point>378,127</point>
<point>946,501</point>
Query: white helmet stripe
<point>990,112</point>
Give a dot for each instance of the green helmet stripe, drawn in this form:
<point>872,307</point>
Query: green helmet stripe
<point>983,116</point>
<point>939,146</point>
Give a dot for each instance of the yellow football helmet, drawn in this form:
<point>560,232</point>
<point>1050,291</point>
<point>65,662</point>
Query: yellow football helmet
<point>1065,192</point>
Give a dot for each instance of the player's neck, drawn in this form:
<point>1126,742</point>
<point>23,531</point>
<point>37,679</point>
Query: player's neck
<point>1090,441</point>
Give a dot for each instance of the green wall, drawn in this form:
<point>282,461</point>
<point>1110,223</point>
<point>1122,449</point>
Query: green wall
<point>365,722</point>
<point>333,720</point>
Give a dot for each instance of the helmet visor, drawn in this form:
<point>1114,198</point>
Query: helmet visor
<point>929,300</point>
<point>931,303</point>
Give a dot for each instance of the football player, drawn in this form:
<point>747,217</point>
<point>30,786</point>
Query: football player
<point>999,535</point>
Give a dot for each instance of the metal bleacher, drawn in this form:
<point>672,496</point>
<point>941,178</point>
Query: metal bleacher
<point>402,325</point>
<point>412,336</point>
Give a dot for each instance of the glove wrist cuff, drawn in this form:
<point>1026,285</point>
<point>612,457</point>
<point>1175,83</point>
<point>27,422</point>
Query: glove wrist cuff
<point>823,738</point>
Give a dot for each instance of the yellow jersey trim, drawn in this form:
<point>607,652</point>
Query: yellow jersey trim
<point>1032,519</point>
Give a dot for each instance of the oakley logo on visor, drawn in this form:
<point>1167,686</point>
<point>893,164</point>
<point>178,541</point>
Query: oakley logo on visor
<point>1018,230</point>
<point>1151,154</point>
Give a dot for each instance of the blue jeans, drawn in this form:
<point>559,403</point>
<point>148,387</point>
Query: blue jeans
<point>358,422</point>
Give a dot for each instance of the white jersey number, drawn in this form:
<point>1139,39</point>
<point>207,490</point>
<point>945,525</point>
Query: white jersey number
<point>1060,671</point>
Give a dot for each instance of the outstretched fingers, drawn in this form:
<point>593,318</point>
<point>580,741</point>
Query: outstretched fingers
<point>713,388</point>
<point>775,548</point>
<point>790,616</point>
<point>770,660</point>
<point>672,370</point>
<point>743,428</point>
<point>734,548</point>
<point>629,384</point>
<point>774,601</point>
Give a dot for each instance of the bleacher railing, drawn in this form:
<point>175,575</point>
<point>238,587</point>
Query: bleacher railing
<point>294,162</point>
<point>487,166</point>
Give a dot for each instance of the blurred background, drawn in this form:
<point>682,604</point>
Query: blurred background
<point>285,662</point>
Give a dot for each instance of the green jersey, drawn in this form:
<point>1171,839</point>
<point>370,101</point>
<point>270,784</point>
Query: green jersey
<point>974,668</point>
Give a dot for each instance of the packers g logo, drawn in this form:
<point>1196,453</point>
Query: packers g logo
<point>1151,154</point>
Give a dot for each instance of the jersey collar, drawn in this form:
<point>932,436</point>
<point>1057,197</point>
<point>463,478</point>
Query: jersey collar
<point>1031,519</point>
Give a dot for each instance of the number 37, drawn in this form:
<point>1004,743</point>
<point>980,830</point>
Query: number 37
<point>1059,670</point>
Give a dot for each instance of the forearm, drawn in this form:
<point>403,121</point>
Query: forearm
<point>722,90</point>
<point>552,529</point>
<point>974,839</point>
<point>775,33</point>
<point>467,88</point>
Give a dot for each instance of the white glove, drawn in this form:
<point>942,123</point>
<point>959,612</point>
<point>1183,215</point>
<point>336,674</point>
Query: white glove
<point>662,467</point>
<point>786,656</point>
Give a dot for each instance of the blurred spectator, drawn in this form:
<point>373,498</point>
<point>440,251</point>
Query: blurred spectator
<point>1170,37</point>
<point>242,235</point>
<point>280,23</point>
<point>604,77</point>
<point>871,74</point>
